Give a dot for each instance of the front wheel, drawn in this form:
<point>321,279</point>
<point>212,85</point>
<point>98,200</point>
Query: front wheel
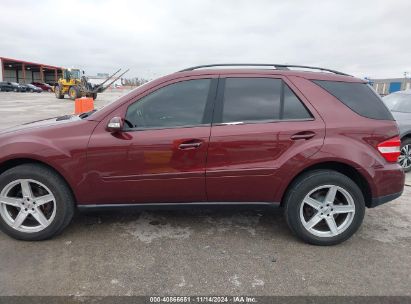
<point>324,207</point>
<point>74,93</point>
<point>58,92</point>
<point>35,203</point>
<point>405,157</point>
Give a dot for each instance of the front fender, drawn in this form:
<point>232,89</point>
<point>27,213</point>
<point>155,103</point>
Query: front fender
<point>64,148</point>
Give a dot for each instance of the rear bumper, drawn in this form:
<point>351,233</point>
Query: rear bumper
<point>386,183</point>
<point>376,201</point>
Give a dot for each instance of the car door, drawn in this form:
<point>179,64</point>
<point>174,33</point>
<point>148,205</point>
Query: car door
<point>160,156</point>
<point>259,124</point>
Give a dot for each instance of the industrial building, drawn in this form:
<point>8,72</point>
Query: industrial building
<point>20,71</point>
<point>387,86</point>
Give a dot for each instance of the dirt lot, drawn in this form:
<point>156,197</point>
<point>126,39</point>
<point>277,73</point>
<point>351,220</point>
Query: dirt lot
<point>224,251</point>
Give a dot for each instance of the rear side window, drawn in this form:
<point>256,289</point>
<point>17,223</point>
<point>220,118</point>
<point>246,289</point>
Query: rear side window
<point>260,99</point>
<point>251,99</point>
<point>359,97</point>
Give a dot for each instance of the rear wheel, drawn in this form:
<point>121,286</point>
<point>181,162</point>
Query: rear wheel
<point>58,92</point>
<point>35,203</point>
<point>324,207</point>
<point>74,93</point>
<point>405,157</point>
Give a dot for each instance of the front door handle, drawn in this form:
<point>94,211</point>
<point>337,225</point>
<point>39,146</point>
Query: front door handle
<point>189,145</point>
<point>303,135</point>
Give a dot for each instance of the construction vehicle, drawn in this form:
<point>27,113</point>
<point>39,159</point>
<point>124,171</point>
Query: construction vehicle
<point>76,85</point>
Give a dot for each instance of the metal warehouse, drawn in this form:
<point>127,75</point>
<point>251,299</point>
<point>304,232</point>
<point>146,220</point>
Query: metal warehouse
<point>21,71</point>
<point>387,86</point>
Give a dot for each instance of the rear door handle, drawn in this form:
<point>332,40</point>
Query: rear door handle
<point>303,135</point>
<point>189,145</point>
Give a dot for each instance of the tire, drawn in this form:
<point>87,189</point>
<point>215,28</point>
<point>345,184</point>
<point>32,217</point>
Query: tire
<point>405,158</point>
<point>57,92</point>
<point>57,212</point>
<point>74,93</point>
<point>316,185</point>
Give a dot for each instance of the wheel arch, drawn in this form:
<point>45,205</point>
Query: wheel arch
<point>11,163</point>
<point>342,168</point>
<point>406,136</point>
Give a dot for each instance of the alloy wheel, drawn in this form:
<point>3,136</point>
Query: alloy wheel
<point>27,205</point>
<point>405,157</point>
<point>327,211</point>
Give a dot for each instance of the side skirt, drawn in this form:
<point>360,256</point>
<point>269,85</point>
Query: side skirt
<point>173,206</point>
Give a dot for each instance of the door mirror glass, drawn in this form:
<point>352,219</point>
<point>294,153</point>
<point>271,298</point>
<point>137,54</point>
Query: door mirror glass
<point>115,125</point>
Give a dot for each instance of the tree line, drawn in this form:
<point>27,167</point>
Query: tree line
<point>134,82</point>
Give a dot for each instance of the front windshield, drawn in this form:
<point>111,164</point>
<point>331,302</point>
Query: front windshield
<point>398,102</point>
<point>72,74</point>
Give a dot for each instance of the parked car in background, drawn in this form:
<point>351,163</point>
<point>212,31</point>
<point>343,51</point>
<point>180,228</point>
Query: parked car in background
<point>44,86</point>
<point>32,88</point>
<point>17,87</point>
<point>208,135</point>
<point>6,87</point>
<point>400,105</point>
<point>52,84</point>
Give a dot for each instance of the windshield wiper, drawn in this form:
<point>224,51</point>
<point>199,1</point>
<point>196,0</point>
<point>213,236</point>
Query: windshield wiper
<point>86,114</point>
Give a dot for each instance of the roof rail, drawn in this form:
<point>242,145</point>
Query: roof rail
<point>274,65</point>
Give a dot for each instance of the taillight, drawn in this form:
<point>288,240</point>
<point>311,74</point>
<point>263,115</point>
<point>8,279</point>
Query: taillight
<point>390,149</point>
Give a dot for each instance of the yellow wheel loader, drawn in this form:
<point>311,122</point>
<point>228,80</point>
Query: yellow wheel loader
<point>76,85</point>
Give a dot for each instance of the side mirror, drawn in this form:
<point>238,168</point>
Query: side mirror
<point>115,125</point>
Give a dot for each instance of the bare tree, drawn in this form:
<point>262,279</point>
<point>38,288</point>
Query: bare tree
<point>134,82</point>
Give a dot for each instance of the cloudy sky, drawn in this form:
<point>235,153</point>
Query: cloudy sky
<point>155,37</point>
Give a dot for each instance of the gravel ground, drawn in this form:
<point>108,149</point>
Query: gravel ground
<point>219,251</point>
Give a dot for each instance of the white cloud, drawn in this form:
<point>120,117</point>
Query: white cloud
<point>153,37</point>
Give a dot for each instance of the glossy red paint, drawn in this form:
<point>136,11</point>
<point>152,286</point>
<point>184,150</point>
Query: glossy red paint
<point>230,173</point>
<point>43,86</point>
<point>254,162</point>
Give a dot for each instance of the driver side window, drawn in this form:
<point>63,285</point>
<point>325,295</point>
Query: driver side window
<point>176,105</point>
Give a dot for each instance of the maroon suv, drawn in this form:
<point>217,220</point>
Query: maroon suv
<point>322,145</point>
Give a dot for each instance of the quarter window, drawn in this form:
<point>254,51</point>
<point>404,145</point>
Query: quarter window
<point>176,105</point>
<point>359,97</point>
<point>293,107</point>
